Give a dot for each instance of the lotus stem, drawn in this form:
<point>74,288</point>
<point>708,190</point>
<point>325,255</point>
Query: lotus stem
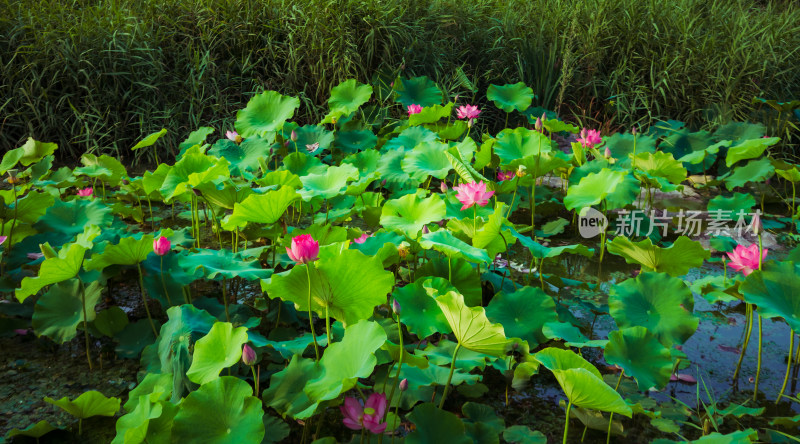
<point>449,270</point>
<point>450,376</point>
<point>788,366</point>
<point>474,220</point>
<point>748,328</point>
<point>225,298</point>
<point>164,283</point>
<point>513,196</point>
<point>566,423</point>
<point>758,365</point>
<point>328,325</point>
<point>397,376</point>
<point>793,212</point>
<point>541,276</point>
<point>310,314</point>
<point>144,300</point>
<point>85,325</point>
<point>611,416</point>
<point>255,380</point>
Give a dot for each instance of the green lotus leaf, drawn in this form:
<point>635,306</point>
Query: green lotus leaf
<point>295,346</point>
<point>458,272</point>
<point>737,437</point>
<point>737,202</point>
<point>59,311</point>
<point>185,325</point>
<point>221,411</point>
<point>421,314</point>
<point>302,165</point>
<point>410,213</point>
<point>581,382</point>
<point>355,141</point>
<point>435,425</point>
<point>36,431</point>
<point>463,167</point>
<point>538,166</point>
<point>346,361</point>
<point>286,389</point>
<point>174,276</point>
<point>570,334</point>
<point>243,157</point>
<point>328,184</point>
<point>749,149</point>
<point>705,157</point>
<point>281,178</point>
<point>349,283</point>
<point>132,428</point>
<point>116,170</point>
<point>28,209</point>
<point>191,171</point>
<point>393,350</point>
<point>640,355</point>
<point>31,152</point>
<point>511,97</point>
<point>409,138</point>
<point>64,220</point>
<point>265,113</point>
<point>262,208</point>
<point>220,348</point>
<point>196,137</point>
<point>367,162</point>
<point>555,125</point>
<point>431,114</point>
<point>155,386</point>
<point>539,251</point>
<point>390,170</point>
<point>434,375</point>
<point>774,289</point>
<point>110,321</point>
<point>791,174</point>
<point>420,91</point>
<point>520,434</point>
<point>621,146</point>
<point>348,96</point>
<point>676,260</point>
<point>427,159</point>
<point>518,143</point>
<point>684,142</point>
<point>222,264</point>
<point>471,326</point>
<point>129,251</point>
<point>658,302</point>
<point>150,139</point>
<point>442,355</point>
<point>54,270</point>
<point>311,135</point>
<point>228,195</point>
<point>661,164</point>
<point>484,426</point>
<point>88,404</point>
<point>444,242</point>
<point>754,171</point>
<point>523,313</point>
<point>616,188</point>
<point>740,131</point>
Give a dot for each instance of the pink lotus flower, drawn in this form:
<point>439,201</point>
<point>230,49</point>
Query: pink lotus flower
<point>161,245</point>
<point>506,175</point>
<point>443,187</point>
<point>745,259</point>
<point>473,193</point>
<point>85,192</point>
<point>357,417</point>
<point>361,239</point>
<point>233,135</point>
<point>3,239</point>
<point>414,109</point>
<point>467,112</point>
<point>34,256</point>
<point>590,138</point>
<point>304,249</point>
<point>248,355</point>
<point>312,147</point>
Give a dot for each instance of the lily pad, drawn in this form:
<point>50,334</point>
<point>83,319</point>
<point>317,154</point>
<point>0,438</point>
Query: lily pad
<point>59,312</point>
<point>88,404</point>
<point>523,313</point>
<point>264,113</point>
<point>420,91</point>
<point>220,348</point>
<point>471,326</point>
<point>435,425</point>
<point>774,289</point>
<point>510,97</point>
<point>639,353</point>
<point>675,260</point>
<point>410,213</point>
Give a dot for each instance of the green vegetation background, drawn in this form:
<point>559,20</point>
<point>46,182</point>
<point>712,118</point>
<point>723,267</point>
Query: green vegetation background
<point>98,75</point>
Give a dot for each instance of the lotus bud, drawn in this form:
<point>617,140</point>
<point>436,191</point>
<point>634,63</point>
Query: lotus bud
<point>47,250</point>
<point>455,99</point>
<point>425,229</point>
<point>383,183</point>
<point>396,307</point>
<point>758,228</point>
<point>196,192</point>
<point>248,355</point>
<point>539,125</point>
<point>293,136</point>
<point>402,250</point>
<point>634,131</point>
<point>404,385</point>
<point>126,182</point>
<point>521,171</point>
<point>443,187</point>
<point>607,153</point>
<point>470,122</point>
